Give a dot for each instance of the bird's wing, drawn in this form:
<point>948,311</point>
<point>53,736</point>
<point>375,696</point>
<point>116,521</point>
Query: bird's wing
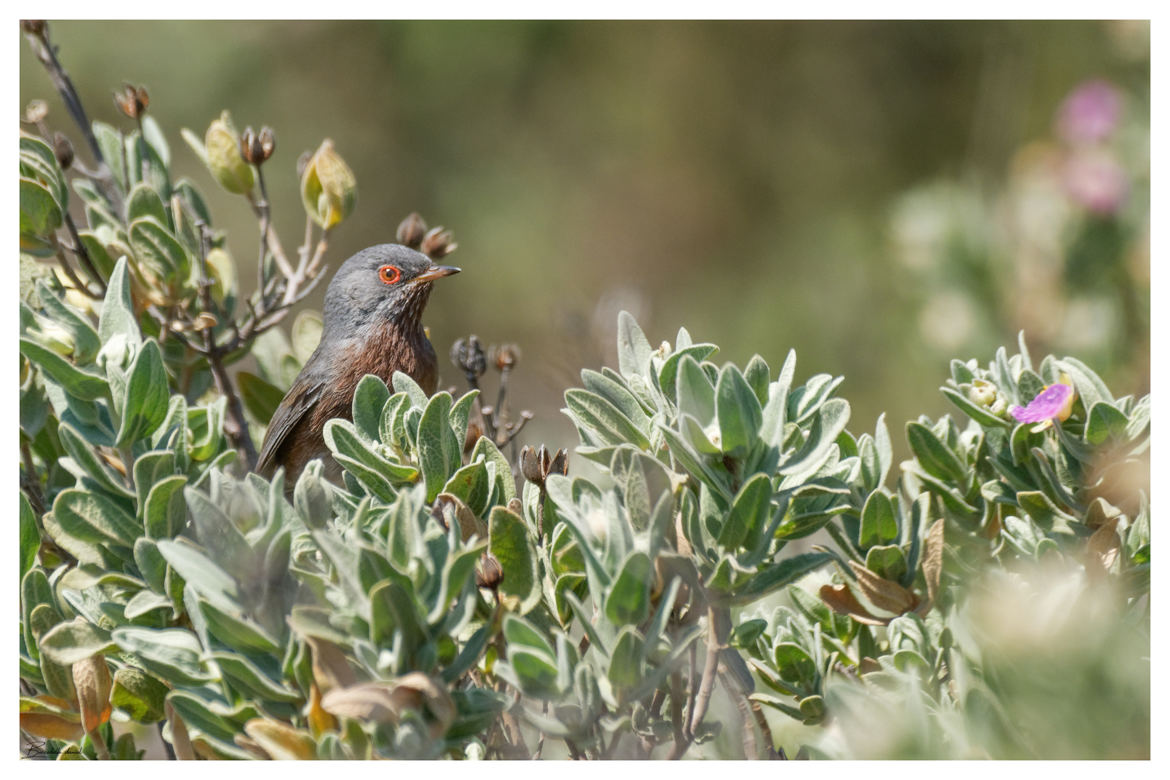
<point>296,404</point>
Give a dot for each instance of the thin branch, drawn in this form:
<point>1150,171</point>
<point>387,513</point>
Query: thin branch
<point>45,52</point>
<point>707,686</point>
<point>82,253</point>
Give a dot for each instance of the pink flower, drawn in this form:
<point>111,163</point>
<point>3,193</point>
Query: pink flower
<point>1096,181</point>
<point>1090,113</point>
<point>1053,402</point>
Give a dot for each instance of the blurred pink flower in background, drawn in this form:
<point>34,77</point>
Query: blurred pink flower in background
<point>1090,113</point>
<point>1095,180</point>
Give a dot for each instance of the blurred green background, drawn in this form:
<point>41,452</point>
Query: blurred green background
<point>881,197</point>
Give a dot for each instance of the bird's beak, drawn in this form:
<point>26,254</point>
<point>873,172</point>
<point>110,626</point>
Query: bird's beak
<point>436,272</point>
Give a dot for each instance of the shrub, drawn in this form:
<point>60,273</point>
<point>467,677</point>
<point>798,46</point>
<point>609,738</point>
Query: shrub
<point>736,550</point>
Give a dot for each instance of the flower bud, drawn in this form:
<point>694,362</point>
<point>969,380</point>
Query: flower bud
<point>438,243</point>
<point>505,356</point>
<point>412,230</point>
<point>132,101</point>
<point>36,111</point>
<point>255,147</point>
<point>63,150</point>
<point>468,357</point>
<point>328,187</point>
<point>982,393</point>
<point>228,166</point>
<point>488,572</point>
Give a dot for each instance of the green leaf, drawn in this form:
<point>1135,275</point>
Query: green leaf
<point>85,339</point>
<point>145,202</point>
<point>758,376</point>
<point>237,631</point>
<point>628,602</point>
<point>935,456</point>
<point>172,654</point>
<point>244,673</point>
<point>668,373</point>
<point>30,537</point>
<point>164,512</point>
<point>146,395</point>
<point>594,412</point>
<point>633,348</point>
<point>81,383</point>
<point>117,317</point>
<point>535,674</point>
<point>513,547</point>
<point>68,643</point>
<point>439,453</point>
<point>794,664</point>
<point>976,413</point>
<point>505,484</point>
<point>40,213</point>
<point>368,400</point>
<point>778,575</point>
<point>696,393</point>
<point>750,511</point>
<point>616,392</point>
<point>404,384</point>
<point>878,523</point>
<point>363,461</point>
<point>92,517</point>
<point>470,485</point>
<point>829,422</point>
<point>139,695</point>
<point>738,411</point>
<point>625,663</point>
<point>158,250</point>
<point>260,398</point>
<point>887,561</point>
<point>520,633</point>
<point>1105,421</point>
<point>205,576</point>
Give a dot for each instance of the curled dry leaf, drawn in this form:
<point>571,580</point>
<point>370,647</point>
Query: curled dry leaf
<point>330,669</point>
<point>1102,549</point>
<point>180,739</point>
<point>279,740</point>
<point>842,601</point>
<point>386,701</point>
<point>50,718</point>
<point>92,679</point>
<point>932,559</point>
<point>319,720</point>
<point>448,505</point>
<point>883,593</point>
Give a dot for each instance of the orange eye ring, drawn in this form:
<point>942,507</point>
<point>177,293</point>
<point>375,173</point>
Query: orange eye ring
<point>390,274</point>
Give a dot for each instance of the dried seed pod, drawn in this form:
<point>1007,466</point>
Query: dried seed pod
<point>132,101</point>
<point>505,356</point>
<point>488,572</point>
<point>412,230</point>
<point>438,243</point>
<point>255,147</point>
<point>34,27</point>
<point>530,465</point>
<point>467,355</point>
<point>63,150</point>
<point>559,465</point>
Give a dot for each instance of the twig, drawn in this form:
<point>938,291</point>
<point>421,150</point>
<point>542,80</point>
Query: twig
<point>83,253</point>
<point>44,51</point>
<point>707,686</point>
<point>235,426</point>
<point>29,480</point>
<point>750,750</point>
<point>67,267</point>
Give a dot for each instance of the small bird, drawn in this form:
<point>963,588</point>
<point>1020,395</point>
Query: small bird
<point>372,325</point>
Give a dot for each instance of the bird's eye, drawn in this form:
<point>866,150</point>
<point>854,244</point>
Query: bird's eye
<point>390,274</point>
